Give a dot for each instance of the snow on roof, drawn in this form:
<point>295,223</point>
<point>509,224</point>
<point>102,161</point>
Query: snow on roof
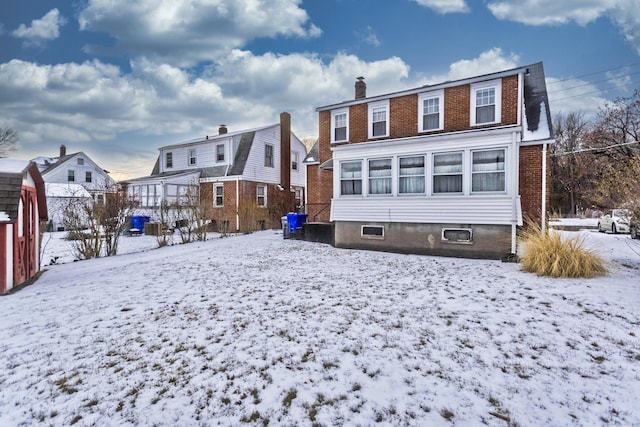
<point>4,216</point>
<point>13,166</point>
<point>66,190</point>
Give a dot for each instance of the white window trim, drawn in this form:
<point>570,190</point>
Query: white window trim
<point>372,106</point>
<point>425,175</point>
<point>497,84</point>
<point>463,172</point>
<point>430,95</point>
<point>273,156</point>
<point>224,154</point>
<point>194,157</point>
<point>505,171</point>
<point>265,196</point>
<point>295,159</point>
<point>335,113</point>
<point>166,160</point>
<point>215,195</point>
<point>363,178</point>
<point>367,178</point>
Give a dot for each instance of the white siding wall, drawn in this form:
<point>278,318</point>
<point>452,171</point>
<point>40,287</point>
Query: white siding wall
<point>99,178</point>
<point>489,208</point>
<point>255,169</point>
<point>298,177</point>
<point>205,154</point>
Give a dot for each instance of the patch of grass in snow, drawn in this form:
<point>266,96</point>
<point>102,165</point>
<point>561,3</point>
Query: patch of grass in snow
<point>291,394</point>
<point>75,419</point>
<point>447,414</point>
<point>67,384</point>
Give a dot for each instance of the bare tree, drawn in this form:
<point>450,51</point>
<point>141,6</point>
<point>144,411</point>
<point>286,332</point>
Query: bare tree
<point>8,139</point>
<point>114,215</point>
<point>617,129</point>
<point>570,169</point>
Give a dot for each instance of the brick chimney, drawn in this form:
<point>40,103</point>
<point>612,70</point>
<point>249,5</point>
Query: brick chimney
<point>361,88</point>
<point>222,129</point>
<point>285,159</point>
<point>63,150</point>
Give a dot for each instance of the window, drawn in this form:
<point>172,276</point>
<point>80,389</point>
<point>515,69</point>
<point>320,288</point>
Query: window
<point>169,160</point>
<point>261,193</point>
<point>80,161</point>
<point>87,176</point>
<point>192,156</point>
<point>71,176</point>
<point>339,129</point>
<point>220,153</point>
<point>486,102</point>
<point>378,119</point>
<point>447,173</point>
<point>100,198</point>
<point>351,178</point>
<point>411,175</point>
<point>488,170</point>
<point>372,232</point>
<point>218,195</point>
<point>430,115</point>
<point>457,235</point>
<point>298,197</point>
<point>268,155</point>
<point>295,158</point>
<point>380,176</point>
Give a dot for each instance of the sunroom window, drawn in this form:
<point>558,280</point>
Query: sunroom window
<point>447,173</point>
<point>488,170</point>
<point>351,178</point>
<point>380,176</point>
<point>411,175</point>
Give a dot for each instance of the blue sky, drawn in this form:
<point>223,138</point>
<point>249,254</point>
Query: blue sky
<point>119,79</point>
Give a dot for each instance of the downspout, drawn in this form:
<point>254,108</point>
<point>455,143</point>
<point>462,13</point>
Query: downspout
<point>237,205</point>
<point>544,188</point>
<point>516,180</point>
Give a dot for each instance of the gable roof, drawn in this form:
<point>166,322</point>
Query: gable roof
<point>11,176</point>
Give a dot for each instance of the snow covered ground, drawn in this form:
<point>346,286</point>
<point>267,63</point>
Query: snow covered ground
<point>255,329</point>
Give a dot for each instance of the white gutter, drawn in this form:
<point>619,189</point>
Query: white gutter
<point>544,187</point>
<point>514,191</point>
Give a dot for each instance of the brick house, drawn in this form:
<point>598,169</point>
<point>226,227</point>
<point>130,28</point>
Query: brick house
<point>447,169</point>
<point>22,209</point>
<point>255,173</point>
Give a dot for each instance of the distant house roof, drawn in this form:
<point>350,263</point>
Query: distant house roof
<point>313,156</point>
<point>11,175</point>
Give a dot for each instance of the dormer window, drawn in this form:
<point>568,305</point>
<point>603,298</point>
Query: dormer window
<point>192,156</point>
<point>486,101</point>
<point>168,160</point>
<point>339,125</point>
<point>379,119</point>
<point>220,153</point>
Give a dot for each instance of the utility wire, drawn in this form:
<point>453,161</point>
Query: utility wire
<point>583,150</point>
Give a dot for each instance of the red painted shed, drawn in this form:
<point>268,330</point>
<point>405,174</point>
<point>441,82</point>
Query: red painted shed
<point>22,207</point>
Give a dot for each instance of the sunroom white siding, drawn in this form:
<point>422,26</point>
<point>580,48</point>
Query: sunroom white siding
<point>500,208</point>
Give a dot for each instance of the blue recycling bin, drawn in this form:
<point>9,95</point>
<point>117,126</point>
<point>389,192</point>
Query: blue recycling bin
<point>296,220</point>
<point>138,221</point>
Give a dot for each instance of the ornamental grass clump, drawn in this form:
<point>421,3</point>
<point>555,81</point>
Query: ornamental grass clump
<point>548,253</point>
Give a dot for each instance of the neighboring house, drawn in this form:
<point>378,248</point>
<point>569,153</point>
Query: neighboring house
<point>59,198</point>
<point>76,168</point>
<point>445,169</point>
<point>22,208</point>
<point>251,175</point>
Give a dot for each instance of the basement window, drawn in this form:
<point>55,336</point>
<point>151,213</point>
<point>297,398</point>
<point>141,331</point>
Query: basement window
<point>457,235</point>
<point>372,232</point>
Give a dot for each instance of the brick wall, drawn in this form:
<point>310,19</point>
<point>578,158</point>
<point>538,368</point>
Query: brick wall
<point>531,181</point>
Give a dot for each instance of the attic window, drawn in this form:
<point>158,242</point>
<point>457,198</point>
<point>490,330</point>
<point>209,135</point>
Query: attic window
<point>372,232</point>
<point>80,161</point>
<point>457,235</point>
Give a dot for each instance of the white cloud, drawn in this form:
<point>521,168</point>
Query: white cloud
<point>46,28</point>
<point>445,6</point>
<point>624,13</point>
<point>490,61</point>
<point>574,95</point>
<point>369,37</point>
<point>186,32</point>
<point>158,104</point>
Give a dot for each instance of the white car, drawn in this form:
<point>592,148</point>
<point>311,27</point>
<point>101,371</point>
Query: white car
<point>615,221</point>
